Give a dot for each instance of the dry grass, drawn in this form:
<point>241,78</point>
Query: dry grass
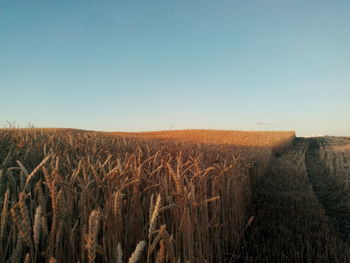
<point>76,196</point>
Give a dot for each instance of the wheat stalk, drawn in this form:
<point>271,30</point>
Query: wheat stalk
<point>24,170</point>
<point>154,217</point>
<point>36,169</point>
<point>17,252</point>
<point>156,240</point>
<point>4,214</point>
<point>151,207</point>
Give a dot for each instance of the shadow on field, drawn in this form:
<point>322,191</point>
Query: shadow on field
<point>330,193</point>
<point>291,225</point>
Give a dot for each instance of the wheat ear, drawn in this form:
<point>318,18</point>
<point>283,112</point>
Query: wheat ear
<point>40,197</point>
<point>154,217</point>
<point>120,253</point>
<point>161,253</point>
<point>27,258</point>
<point>94,223</point>
<point>37,226</point>
<point>137,253</point>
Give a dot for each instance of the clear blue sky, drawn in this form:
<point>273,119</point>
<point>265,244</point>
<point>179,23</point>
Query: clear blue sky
<point>149,65</point>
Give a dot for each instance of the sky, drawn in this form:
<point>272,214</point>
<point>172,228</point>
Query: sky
<point>184,64</point>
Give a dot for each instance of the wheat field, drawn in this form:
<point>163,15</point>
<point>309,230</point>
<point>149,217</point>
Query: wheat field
<point>178,196</point>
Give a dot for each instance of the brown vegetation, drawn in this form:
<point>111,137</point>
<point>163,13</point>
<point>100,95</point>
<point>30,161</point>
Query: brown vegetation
<point>75,196</point>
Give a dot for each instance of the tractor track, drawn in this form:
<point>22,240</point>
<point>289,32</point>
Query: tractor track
<point>299,208</point>
<point>332,195</point>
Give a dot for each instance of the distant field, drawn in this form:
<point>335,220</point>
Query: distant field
<point>238,138</point>
<point>251,146</point>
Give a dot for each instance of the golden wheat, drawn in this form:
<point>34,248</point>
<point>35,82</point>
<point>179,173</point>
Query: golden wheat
<point>136,255</point>
<point>94,223</point>
<point>90,194</point>
<point>37,226</point>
